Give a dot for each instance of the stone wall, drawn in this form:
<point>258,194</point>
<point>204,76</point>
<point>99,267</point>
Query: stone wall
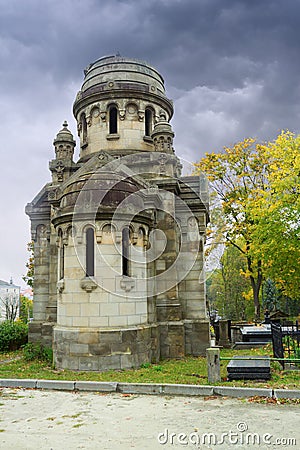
<point>100,349</point>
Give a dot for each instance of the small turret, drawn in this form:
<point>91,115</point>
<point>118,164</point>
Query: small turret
<point>163,135</point>
<point>64,143</point>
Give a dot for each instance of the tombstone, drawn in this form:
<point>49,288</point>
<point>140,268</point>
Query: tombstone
<point>224,339</point>
<point>250,369</point>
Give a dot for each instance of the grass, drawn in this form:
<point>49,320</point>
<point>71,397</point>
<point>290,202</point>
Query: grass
<point>189,370</point>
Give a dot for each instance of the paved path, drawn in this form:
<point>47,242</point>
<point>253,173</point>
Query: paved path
<point>36,419</point>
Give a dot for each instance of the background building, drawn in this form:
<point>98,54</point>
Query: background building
<point>9,300</point>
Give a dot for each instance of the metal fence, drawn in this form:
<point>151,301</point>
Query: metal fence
<point>286,342</point>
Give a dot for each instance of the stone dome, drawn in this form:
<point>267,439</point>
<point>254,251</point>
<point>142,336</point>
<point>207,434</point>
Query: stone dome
<point>64,135</point>
<point>103,190</point>
<point>114,75</point>
<point>118,72</point>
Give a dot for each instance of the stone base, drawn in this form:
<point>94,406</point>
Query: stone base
<point>172,339</point>
<point>95,349</point>
<point>197,337</point>
<point>41,332</point>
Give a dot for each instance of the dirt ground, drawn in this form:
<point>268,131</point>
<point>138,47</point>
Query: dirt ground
<point>34,419</point>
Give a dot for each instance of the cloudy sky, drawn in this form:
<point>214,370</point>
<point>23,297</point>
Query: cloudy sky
<point>231,66</point>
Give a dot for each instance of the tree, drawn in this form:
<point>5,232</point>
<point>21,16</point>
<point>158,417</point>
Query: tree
<point>11,302</point>
<point>270,297</point>
<point>238,178</point>
<point>26,308</point>
<point>277,233</point>
<point>28,278</point>
<point>257,186</point>
<point>227,287</point>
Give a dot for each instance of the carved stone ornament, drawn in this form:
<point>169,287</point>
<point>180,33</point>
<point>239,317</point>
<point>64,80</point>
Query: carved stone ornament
<point>103,116</point>
<point>162,162</point>
<point>141,115</point>
<point>88,284</point>
<point>134,238</point>
<point>103,157</point>
<point>96,112</point>
<point>60,286</point>
<point>52,195</point>
<point>127,284</point>
<point>122,114</point>
<point>59,169</point>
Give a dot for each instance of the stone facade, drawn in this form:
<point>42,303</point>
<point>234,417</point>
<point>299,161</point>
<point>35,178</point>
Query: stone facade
<point>118,235</point>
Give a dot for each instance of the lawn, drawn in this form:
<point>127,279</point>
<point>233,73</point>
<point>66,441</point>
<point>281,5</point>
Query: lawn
<point>189,370</point>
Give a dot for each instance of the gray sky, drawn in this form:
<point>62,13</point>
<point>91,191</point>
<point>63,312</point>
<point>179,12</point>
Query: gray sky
<point>231,66</point>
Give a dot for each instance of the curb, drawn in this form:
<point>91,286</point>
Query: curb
<point>149,389</point>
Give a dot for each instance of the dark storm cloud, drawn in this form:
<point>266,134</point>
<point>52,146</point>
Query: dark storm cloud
<point>231,67</point>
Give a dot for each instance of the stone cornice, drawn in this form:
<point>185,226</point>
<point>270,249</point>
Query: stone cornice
<point>95,95</point>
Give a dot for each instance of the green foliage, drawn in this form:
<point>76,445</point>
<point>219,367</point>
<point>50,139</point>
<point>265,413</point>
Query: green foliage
<point>145,365</point>
<point>277,231</point>
<point>270,295</point>
<point>257,188</point>
<point>291,344</point>
<point>12,335</point>
<point>227,287</point>
<point>26,308</point>
<point>28,278</point>
<point>38,351</point>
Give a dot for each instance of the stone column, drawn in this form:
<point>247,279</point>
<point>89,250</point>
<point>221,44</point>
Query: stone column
<point>41,285</point>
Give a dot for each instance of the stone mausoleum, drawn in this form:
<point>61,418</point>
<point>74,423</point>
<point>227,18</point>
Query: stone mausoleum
<point>119,234</point>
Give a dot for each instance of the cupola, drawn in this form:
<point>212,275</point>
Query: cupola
<point>119,103</point>
<point>63,166</point>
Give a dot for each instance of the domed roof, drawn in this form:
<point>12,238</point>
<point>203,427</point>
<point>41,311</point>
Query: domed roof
<point>118,72</point>
<point>101,190</point>
<point>162,127</point>
<point>119,77</point>
<point>64,135</point>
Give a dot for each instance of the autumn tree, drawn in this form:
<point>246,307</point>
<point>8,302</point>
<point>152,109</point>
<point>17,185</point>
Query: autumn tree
<point>277,232</point>
<point>238,179</point>
<point>256,196</point>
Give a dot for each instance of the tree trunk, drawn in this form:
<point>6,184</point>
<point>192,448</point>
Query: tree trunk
<point>256,285</point>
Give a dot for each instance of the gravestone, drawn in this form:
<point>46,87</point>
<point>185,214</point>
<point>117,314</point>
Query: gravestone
<point>250,369</point>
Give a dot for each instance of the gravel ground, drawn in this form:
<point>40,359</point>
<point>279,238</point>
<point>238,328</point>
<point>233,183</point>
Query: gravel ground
<point>36,419</point>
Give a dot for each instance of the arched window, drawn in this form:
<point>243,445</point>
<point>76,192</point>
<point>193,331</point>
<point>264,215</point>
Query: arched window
<point>113,120</point>
<point>148,122</point>
<point>84,128</point>
<point>125,251</point>
<point>90,264</point>
<point>61,268</point>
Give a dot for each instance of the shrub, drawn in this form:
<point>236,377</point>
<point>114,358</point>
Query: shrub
<point>38,351</point>
<point>12,335</point>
